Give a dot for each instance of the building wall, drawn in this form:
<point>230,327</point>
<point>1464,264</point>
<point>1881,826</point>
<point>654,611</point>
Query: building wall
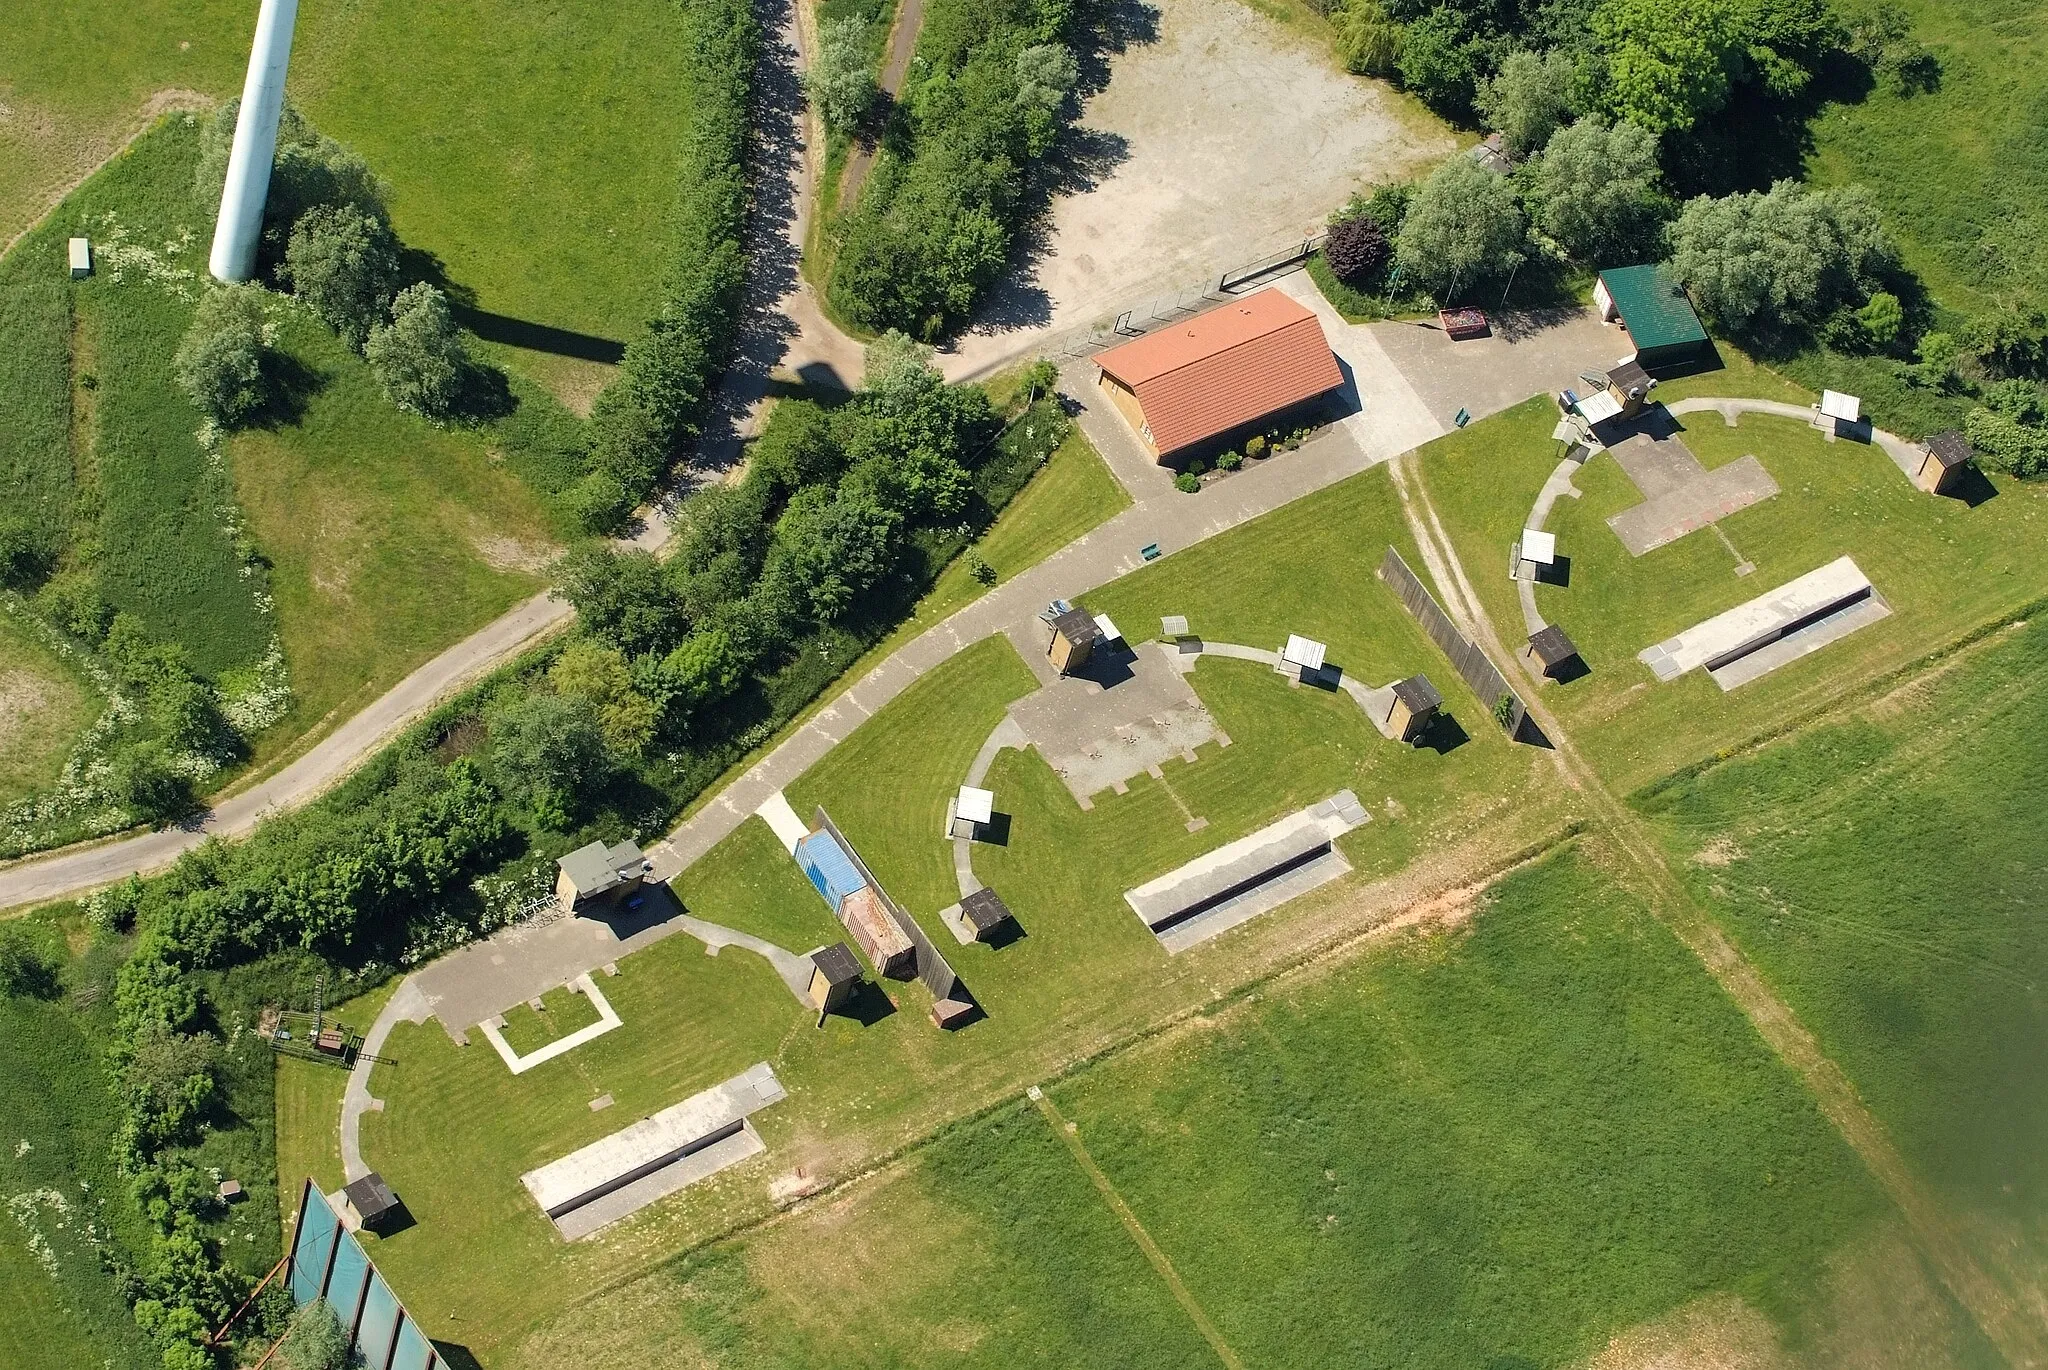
<point>1126,403</point>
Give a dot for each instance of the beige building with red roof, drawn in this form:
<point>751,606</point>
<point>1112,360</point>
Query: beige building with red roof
<point>1196,383</point>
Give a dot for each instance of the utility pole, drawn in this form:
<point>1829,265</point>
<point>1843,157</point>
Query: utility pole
<point>236,232</point>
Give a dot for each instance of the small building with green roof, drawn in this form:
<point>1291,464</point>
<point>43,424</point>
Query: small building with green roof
<point>1652,305</point>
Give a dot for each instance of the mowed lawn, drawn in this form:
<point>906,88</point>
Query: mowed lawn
<point>459,1128</point>
<point>527,145</point>
<point>1943,566</point>
<point>1960,172</point>
<point>1884,870</point>
<point>1499,1145</point>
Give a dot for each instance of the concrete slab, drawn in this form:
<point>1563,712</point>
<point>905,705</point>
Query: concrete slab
<point>1529,354</point>
<point>629,1199</point>
<point>1720,640</point>
<point>1132,712</point>
<point>1713,496</point>
<point>789,829</point>
<point>612,1166</point>
<point>1249,905</point>
<point>1811,638</point>
<point>1238,875</point>
<point>607,1019</point>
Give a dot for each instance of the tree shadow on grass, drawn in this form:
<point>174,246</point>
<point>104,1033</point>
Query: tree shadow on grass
<point>290,386</point>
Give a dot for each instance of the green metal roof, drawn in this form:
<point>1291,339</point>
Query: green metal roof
<point>1653,306</point>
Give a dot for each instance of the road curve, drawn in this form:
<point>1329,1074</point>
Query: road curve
<point>75,870</point>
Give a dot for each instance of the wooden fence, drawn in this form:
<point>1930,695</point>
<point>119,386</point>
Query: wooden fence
<point>1473,665</point>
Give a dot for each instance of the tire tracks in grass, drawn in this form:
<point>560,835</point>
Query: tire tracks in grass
<point>1071,1135</point>
<point>2012,1311</point>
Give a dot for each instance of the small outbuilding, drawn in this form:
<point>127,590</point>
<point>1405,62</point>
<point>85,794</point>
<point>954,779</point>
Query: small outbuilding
<point>973,810</point>
<point>1533,554</point>
<point>231,1192</point>
<point>835,977</point>
<point>1651,303</point>
<point>1554,655</point>
<point>600,873</point>
<point>1943,462</point>
<point>369,1204</point>
<point>1630,386</point>
<point>1416,702</point>
<point>1839,414</point>
<point>1071,635</point>
<point>862,914</point>
<point>985,914</point>
<point>80,252</point>
<point>1112,636</point>
<point>1305,654</point>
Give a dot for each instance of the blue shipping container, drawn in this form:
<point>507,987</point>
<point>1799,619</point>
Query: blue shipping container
<point>829,868</point>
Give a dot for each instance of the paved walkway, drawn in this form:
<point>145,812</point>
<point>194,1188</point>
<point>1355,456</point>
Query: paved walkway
<point>1905,455</point>
<point>1557,487</point>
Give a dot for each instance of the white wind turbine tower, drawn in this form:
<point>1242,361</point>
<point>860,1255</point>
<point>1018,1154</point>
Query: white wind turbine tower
<point>240,224</point>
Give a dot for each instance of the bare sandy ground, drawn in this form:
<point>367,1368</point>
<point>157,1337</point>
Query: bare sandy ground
<point>1221,138</point>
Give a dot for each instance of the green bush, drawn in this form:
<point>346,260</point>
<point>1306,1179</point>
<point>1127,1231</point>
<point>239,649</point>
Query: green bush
<point>225,359</point>
<point>419,357</point>
<point>344,263</point>
<point>840,81</point>
<point>1463,227</point>
<point>1229,461</point>
<point>1188,483</point>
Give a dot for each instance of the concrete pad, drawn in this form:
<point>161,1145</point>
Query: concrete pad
<point>617,1166</point>
<point>1713,496</point>
<point>1747,627</point>
<point>1388,417</point>
<point>1240,874</point>
<point>1528,354</point>
<point>1100,733</point>
<point>789,829</point>
<point>1249,905</point>
<point>1811,638</point>
<point>607,1019</point>
<point>629,1199</point>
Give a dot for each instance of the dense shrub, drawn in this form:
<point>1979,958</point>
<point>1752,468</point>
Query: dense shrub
<point>840,81</point>
<point>1767,263</point>
<point>1370,40</point>
<point>310,170</point>
<point>1464,226</point>
<point>419,356</point>
<point>343,263</point>
<point>1529,98</point>
<point>1357,250</point>
<point>225,360</point>
<point>934,224</point>
<point>1595,191</point>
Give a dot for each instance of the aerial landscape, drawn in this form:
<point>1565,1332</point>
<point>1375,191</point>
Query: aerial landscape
<point>946,683</point>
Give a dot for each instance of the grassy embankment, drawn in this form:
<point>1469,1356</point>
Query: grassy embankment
<point>1943,566</point>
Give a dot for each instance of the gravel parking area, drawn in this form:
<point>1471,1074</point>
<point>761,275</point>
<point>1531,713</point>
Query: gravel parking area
<point>1217,138</point>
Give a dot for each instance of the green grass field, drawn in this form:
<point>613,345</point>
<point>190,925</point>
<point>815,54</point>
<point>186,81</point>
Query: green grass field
<point>525,143</point>
<point>1884,871</point>
<point>562,1012</point>
<point>44,704</point>
<point>1496,1146</point>
<point>1960,172</point>
<point>1943,566</point>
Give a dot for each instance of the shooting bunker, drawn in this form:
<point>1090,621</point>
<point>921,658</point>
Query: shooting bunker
<point>1798,617</point>
<point>1242,879</point>
<point>618,1175</point>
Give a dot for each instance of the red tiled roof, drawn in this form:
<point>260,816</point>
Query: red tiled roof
<point>1225,368</point>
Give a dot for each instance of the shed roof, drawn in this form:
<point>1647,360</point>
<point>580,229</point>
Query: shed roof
<point>975,805</point>
<point>1653,306</point>
<point>1836,405</point>
<point>1225,368</point>
<point>1950,448</point>
<point>1599,407</point>
<point>1417,693</point>
<point>370,1196</point>
<point>595,868</point>
<point>1076,626</point>
<point>1539,547</point>
<point>1552,644</point>
<point>836,963</point>
<point>984,909</point>
<point>1629,378</point>
<point>830,869</point>
<point>1304,652</point>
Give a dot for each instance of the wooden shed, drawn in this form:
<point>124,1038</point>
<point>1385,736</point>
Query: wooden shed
<point>1943,462</point>
<point>1071,635</point>
<point>1630,386</point>
<point>1416,702</point>
<point>985,914</point>
<point>600,873</point>
<point>1552,652</point>
<point>369,1204</point>
<point>835,977</point>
